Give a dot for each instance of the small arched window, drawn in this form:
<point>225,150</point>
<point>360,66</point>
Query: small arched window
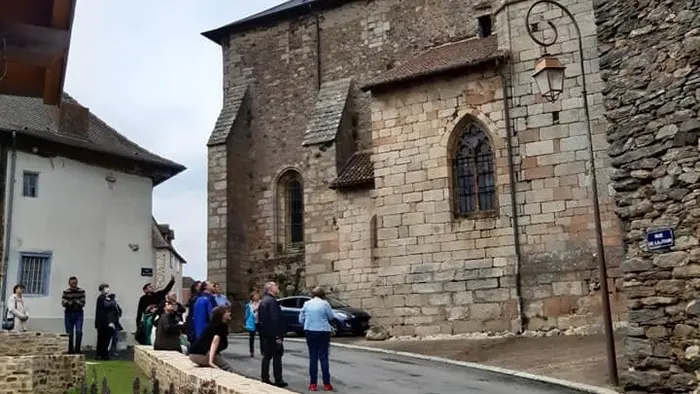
<point>473,178</point>
<point>290,209</point>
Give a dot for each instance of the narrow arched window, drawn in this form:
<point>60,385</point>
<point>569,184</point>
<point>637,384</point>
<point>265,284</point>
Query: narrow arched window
<point>295,199</point>
<point>290,210</point>
<point>473,178</point>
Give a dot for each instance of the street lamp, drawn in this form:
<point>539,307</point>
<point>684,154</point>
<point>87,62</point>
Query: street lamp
<point>549,76</point>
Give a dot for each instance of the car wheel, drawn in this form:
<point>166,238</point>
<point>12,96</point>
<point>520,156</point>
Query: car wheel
<point>334,329</point>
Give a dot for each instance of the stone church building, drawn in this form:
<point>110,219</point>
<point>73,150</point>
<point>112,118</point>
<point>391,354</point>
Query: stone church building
<point>399,153</point>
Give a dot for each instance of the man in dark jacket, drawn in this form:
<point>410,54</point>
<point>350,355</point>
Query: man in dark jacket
<point>272,330</point>
<point>150,297</point>
<point>103,308</point>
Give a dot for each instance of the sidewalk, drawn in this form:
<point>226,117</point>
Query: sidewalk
<point>579,359</point>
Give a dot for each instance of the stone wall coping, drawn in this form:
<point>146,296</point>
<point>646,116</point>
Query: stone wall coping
<point>180,365</point>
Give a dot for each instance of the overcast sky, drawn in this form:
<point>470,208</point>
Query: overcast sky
<point>144,68</point>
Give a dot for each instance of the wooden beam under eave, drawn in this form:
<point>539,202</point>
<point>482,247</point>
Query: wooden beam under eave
<point>23,34</point>
<point>61,18</point>
<point>53,82</point>
<point>62,14</point>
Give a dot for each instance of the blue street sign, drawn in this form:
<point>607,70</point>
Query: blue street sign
<point>660,239</point>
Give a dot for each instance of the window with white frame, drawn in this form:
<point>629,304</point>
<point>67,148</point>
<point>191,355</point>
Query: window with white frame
<point>34,270</point>
<point>30,184</point>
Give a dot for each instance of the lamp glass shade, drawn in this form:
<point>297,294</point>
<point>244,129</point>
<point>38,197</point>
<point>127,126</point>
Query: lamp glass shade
<point>549,77</point>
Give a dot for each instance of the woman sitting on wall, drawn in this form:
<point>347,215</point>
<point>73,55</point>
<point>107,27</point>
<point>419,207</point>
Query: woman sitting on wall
<point>206,350</point>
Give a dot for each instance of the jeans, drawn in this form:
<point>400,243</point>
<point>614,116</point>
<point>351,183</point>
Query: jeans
<point>74,328</point>
<point>114,342</point>
<point>203,361</point>
<point>318,343</point>
<point>271,351</point>
<point>251,342</point>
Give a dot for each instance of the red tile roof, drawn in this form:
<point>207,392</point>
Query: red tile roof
<point>357,171</point>
<point>444,58</point>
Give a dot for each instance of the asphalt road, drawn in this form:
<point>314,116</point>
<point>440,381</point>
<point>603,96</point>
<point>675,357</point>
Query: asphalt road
<point>354,371</point>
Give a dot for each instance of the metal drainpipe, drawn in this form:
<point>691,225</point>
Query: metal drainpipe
<point>318,47</point>
<point>511,175</point>
<point>8,222</point>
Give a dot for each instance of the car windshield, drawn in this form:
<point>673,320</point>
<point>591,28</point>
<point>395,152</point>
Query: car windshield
<point>336,303</point>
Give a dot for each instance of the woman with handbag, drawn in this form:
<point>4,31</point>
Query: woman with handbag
<point>17,315</point>
<point>251,320</point>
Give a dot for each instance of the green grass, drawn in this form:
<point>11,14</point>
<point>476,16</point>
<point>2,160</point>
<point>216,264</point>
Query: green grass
<point>120,375</point>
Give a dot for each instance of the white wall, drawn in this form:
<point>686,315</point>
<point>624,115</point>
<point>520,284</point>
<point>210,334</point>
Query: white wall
<point>87,226</point>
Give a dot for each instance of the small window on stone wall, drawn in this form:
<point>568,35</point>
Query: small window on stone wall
<point>473,176</point>
<point>290,210</point>
<point>485,26</point>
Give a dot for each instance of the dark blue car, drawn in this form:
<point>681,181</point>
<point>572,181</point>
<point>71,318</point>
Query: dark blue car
<point>348,320</point>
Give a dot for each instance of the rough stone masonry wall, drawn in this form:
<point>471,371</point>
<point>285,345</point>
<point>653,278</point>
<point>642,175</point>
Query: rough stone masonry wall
<point>358,39</point>
<point>559,271</point>
<point>650,52</point>
<point>34,363</point>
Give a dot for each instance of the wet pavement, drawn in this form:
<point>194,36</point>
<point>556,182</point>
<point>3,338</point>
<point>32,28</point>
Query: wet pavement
<point>354,371</point>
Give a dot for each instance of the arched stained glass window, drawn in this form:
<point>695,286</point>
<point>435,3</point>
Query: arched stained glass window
<point>473,177</point>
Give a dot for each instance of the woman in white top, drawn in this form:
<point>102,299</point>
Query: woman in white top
<point>17,310</point>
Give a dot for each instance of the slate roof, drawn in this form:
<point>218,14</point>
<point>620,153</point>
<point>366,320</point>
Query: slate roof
<point>233,101</point>
<point>283,11</point>
<point>440,59</point>
<point>30,116</point>
<point>356,172</point>
<point>159,241</point>
<point>328,111</point>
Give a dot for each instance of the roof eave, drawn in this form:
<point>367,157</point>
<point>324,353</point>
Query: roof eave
<point>351,185</point>
<point>245,24</point>
<point>171,167</point>
<point>371,86</point>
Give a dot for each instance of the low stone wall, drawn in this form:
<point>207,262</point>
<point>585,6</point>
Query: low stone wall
<point>32,343</point>
<point>176,368</point>
<point>33,363</point>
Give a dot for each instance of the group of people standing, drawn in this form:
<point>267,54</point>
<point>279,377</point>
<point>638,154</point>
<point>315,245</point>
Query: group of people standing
<point>199,329</point>
<point>107,315</point>
<point>264,316</point>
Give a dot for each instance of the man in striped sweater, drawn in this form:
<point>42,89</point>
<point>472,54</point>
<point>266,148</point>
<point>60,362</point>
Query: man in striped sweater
<point>73,301</point>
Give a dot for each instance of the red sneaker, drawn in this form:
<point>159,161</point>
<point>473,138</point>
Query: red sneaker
<point>313,387</point>
<point>327,387</point>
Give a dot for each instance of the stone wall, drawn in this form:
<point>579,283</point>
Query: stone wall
<point>34,343</point>
<point>358,39</point>
<point>431,277</point>
<point>176,368</point>
<point>34,363</point>
<point>167,265</point>
<point>650,52</point>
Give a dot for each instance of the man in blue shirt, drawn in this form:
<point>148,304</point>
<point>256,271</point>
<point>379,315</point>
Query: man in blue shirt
<point>221,299</point>
<point>202,308</point>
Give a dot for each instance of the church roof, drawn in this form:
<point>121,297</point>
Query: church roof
<point>441,59</point>
<point>357,171</point>
<point>286,10</point>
